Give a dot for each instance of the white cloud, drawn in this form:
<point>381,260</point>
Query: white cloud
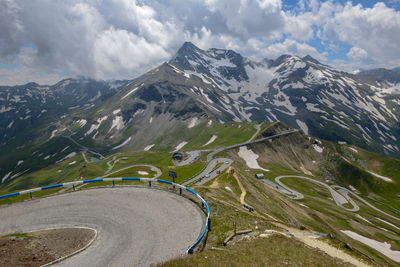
<point>124,38</point>
<point>357,54</point>
<point>249,18</point>
<point>292,47</point>
<point>375,32</point>
<point>117,51</point>
<point>10,29</point>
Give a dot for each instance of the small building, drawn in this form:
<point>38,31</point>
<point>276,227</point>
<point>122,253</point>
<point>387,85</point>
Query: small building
<point>259,176</point>
<point>177,156</point>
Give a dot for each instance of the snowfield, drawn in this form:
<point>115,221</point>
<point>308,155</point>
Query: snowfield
<point>129,93</point>
<point>302,126</point>
<point>81,122</point>
<point>95,126</point>
<point>123,144</point>
<point>212,139</point>
<point>250,158</point>
<point>387,179</point>
<point>181,144</point>
<point>193,122</point>
<point>382,247</point>
<point>318,148</point>
<point>147,148</point>
<point>117,123</point>
<point>70,155</point>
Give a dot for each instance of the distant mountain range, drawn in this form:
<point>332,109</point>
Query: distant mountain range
<point>217,85</point>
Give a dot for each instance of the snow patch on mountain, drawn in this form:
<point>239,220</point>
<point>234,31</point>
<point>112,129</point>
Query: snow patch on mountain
<point>4,109</point>
<point>212,139</point>
<point>312,107</point>
<point>81,122</point>
<point>97,96</point>
<point>180,145</point>
<point>389,223</point>
<point>122,144</point>
<point>193,122</point>
<point>147,148</point>
<point>53,133</point>
<point>130,92</point>
<point>302,125</point>
<point>5,177</point>
<point>282,100</point>
<point>259,78</point>
<point>318,148</point>
<point>70,155</point>
<point>250,158</point>
<point>387,179</point>
<point>382,247</point>
<point>313,76</point>
<point>95,126</point>
<point>10,124</point>
<point>353,149</point>
<point>117,123</point>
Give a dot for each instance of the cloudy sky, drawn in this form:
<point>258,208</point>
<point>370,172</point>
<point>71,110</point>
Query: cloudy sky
<point>47,40</point>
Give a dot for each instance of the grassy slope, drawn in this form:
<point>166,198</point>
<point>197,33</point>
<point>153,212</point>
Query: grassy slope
<point>273,251</point>
<point>283,156</point>
<point>228,134</point>
<point>322,214</point>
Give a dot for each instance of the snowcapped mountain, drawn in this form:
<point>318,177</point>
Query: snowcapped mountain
<point>362,109</point>
<point>45,124</point>
<point>25,106</point>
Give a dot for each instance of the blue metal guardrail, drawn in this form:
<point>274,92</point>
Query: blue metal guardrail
<point>149,180</point>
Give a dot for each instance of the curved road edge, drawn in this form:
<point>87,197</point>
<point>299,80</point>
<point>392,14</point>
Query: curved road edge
<point>191,250</point>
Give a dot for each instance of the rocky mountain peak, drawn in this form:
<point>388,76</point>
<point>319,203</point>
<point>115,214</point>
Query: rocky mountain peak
<point>311,59</point>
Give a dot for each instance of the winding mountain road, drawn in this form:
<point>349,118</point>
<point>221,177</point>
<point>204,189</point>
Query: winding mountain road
<point>210,171</point>
<point>340,195</point>
<point>135,226</point>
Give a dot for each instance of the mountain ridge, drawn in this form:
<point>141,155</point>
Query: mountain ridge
<point>193,87</point>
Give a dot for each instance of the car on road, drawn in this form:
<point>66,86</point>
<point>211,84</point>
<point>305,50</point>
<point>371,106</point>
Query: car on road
<point>207,175</point>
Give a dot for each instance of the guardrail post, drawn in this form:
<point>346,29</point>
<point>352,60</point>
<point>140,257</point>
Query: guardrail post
<point>180,191</point>
<point>30,194</point>
<point>209,224</point>
<point>149,183</point>
<point>73,187</point>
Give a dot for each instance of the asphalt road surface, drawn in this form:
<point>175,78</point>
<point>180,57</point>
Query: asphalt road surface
<point>191,156</point>
<point>211,171</point>
<point>136,226</point>
<point>339,199</point>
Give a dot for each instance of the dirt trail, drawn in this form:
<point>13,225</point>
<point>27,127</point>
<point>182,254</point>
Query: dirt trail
<point>244,192</point>
<point>215,184</point>
<point>332,251</point>
<point>316,243</point>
